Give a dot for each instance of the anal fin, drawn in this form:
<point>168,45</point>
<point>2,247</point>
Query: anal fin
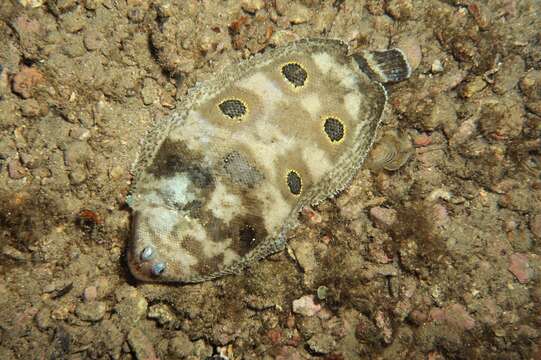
<point>384,66</point>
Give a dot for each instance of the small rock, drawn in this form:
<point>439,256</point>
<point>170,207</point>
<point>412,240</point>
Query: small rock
<point>58,7</point>
<point>457,315</point>
<point>383,218</point>
<point>321,343</point>
<point>25,81</point>
<point>92,40</point>
<point>150,92</point>
<point>141,345</point>
<point>43,319</point>
<point>535,225</point>
<point>73,22</point>
<point>30,108</point>
<point>399,9</point>
<point>90,294</point>
<point>252,6</point>
<point>473,87</point>
<point>411,48</point>
<point>14,253</point>
<point>31,3</point>
<point>131,306</point>
<point>163,315</point>
<point>509,74</point>
<point>443,113</point>
<point>80,133</point>
<point>282,37</point>
<point>16,170</point>
<point>298,13</point>
<point>201,349</point>
<point>92,4</point>
<point>530,84</point>
<point>306,306</point>
<point>77,176</point>
<point>436,67</point>
<point>94,311</point>
<point>180,346</point>
<point>519,266</point>
<point>422,140</point>
<point>534,106</point>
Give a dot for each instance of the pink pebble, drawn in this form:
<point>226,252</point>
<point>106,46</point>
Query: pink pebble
<point>519,266</point>
<point>90,294</point>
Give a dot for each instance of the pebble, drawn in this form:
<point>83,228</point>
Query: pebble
<point>79,133</point>
<point>131,306</point>
<point>25,81</point>
<point>306,306</point>
<point>535,107</point>
<point>93,311</point>
<point>43,319</point>
<point>58,7</point>
<point>384,218</point>
<point>530,84</point>
<point>422,140</point>
<point>16,170</point>
<point>92,40</point>
<point>90,294</point>
<point>31,3</point>
<point>443,113</point>
<point>454,314</point>
<point>141,345</point>
<point>519,266</point>
<point>321,343</point>
<point>150,92</point>
<point>399,9</point>
<point>163,315</point>
<point>298,13</point>
<point>473,87</point>
<point>509,74</point>
<point>77,176</point>
<point>436,67</point>
<point>252,6</point>
<point>14,253</point>
<point>30,108</point>
<point>305,254</point>
<point>535,225</point>
<point>411,48</point>
<point>180,346</point>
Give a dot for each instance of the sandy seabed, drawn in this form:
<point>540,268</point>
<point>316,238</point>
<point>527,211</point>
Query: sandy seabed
<point>438,259</point>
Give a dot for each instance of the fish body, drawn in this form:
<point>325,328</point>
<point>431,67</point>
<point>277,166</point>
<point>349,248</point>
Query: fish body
<point>220,183</point>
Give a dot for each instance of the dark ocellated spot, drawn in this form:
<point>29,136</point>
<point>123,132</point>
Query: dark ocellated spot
<point>294,182</point>
<point>247,235</point>
<point>334,129</point>
<point>295,74</point>
<point>233,108</point>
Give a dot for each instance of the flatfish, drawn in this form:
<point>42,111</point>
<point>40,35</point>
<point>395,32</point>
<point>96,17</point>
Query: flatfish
<point>219,184</point>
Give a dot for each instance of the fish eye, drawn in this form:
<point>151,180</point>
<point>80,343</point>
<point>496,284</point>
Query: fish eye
<point>158,268</point>
<point>147,253</point>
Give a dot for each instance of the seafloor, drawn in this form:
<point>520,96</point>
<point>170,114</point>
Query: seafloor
<point>438,259</point>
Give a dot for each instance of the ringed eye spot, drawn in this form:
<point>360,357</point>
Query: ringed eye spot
<point>233,108</point>
<point>147,253</point>
<point>334,129</point>
<point>294,182</point>
<point>295,74</point>
<point>247,234</point>
<point>158,268</point>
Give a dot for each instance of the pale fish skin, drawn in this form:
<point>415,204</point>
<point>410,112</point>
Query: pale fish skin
<point>220,183</point>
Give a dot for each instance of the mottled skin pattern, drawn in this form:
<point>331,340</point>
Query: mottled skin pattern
<point>219,184</point>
